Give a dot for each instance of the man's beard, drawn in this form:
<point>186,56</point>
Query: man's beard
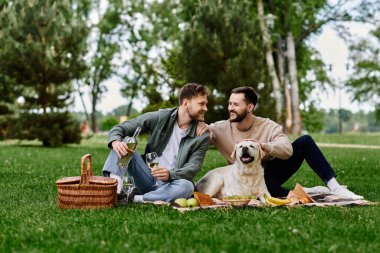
<point>239,117</point>
<point>195,116</point>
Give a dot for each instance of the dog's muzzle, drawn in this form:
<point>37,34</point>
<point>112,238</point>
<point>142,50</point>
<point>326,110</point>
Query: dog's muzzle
<point>246,158</point>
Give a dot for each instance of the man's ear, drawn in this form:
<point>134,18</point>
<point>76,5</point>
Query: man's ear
<point>234,152</point>
<point>185,102</point>
<point>251,107</point>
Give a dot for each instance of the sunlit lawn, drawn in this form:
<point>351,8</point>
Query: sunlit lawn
<point>31,222</point>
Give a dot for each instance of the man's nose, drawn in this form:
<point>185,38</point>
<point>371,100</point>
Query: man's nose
<point>245,149</point>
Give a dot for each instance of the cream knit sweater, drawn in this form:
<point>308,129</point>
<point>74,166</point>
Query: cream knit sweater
<point>224,135</point>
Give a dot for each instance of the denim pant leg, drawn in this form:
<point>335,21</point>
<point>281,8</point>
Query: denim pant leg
<point>180,188</point>
<point>110,166</point>
<point>136,168</point>
<point>142,176</point>
<point>279,171</point>
<point>145,182</point>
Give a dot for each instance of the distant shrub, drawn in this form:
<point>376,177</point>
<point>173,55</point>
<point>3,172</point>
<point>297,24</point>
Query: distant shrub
<point>6,123</point>
<point>109,122</point>
<point>53,129</point>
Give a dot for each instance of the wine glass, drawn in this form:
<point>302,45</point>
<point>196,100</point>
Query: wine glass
<point>152,161</point>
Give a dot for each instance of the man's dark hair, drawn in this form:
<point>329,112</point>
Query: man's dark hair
<point>250,94</point>
<point>190,90</point>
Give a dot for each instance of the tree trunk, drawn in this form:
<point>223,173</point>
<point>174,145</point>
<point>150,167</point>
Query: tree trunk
<point>93,107</point>
<point>83,104</point>
<point>133,94</point>
<point>129,108</point>
<point>289,114</point>
<point>284,83</point>
<point>269,59</point>
<point>291,53</point>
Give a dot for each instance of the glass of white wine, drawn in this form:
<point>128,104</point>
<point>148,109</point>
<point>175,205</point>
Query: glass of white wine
<point>152,161</point>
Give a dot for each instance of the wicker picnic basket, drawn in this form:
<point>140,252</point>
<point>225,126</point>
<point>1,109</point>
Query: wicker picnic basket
<point>86,191</point>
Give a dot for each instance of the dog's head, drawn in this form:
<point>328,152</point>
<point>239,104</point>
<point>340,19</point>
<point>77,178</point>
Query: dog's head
<point>247,152</point>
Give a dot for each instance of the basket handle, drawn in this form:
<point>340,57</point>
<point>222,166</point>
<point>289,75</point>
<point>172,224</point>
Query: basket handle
<point>86,173</point>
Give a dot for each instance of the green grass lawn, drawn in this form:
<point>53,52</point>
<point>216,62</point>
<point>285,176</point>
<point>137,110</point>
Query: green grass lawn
<point>31,222</point>
<point>351,138</point>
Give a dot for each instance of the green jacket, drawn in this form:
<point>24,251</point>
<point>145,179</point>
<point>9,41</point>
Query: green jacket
<point>192,148</point>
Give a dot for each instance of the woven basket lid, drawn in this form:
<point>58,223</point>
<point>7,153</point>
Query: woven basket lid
<point>93,180</point>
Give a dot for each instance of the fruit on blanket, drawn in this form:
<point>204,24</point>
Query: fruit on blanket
<point>192,202</point>
<point>182,202</point>
<point>275,201</point>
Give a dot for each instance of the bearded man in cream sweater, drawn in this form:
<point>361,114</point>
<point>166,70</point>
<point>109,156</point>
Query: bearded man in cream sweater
<point>282,158</point>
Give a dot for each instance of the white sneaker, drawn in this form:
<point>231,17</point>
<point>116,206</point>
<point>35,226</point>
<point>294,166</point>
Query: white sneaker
<point>345,193</point>
<point>317,190</point>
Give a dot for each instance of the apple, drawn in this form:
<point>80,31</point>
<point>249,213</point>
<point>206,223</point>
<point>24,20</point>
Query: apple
<point>192,202</point>
<point>182,202</point>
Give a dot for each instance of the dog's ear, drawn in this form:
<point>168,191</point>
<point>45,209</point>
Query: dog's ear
<point>233,152</point>
<point>261,152</point>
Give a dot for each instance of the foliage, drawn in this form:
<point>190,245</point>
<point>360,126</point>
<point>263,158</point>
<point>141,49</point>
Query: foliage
<point>9,91</point>
<point>6,126</point>
<point>43,43</point>
<point>52,129</point>
<point>121,111</point>
<point>104,41</point>
<point>29,210</point>
<point>365,79</point>
<point>351,122</point>
<point>224,35</point>
<point>313,119</point>
<point>150,28</point>
<point>109,122</point>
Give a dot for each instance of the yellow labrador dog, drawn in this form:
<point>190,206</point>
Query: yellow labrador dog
<point>244,177</point>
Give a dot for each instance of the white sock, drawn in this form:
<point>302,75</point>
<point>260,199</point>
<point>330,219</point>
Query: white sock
<point>333,184</point>
<point>138,198</point>
<point>119,182</point>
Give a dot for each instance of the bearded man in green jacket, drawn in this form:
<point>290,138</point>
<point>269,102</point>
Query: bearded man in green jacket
<point>173,137</point>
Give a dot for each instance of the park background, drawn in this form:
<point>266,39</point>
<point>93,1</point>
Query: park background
<point>65,63</point>
<point>60,60</point>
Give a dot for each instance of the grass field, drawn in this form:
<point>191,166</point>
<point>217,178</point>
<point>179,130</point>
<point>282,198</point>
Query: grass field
<point>31,222</point>
<point>353,138</point>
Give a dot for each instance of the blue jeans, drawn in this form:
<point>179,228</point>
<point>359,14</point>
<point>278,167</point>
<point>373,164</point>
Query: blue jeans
<point>145,182</point>
<point>278,171</point>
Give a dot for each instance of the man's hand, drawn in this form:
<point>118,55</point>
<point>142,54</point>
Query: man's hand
<point>160,173</point>
<point>120,148</point>
<point>201,128</point>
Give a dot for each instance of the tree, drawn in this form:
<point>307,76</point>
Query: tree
<point>104,40</point>
<point>43,44</point>
<point>218,43</point>
<point>221,49</point>
<point>269,59</point>
<point>313,119</point>
<point>150,30</point>
<point>365,79</point>
<point>292,18</point>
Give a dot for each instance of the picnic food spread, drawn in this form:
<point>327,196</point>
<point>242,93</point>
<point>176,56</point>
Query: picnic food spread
<point>297,197</point>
